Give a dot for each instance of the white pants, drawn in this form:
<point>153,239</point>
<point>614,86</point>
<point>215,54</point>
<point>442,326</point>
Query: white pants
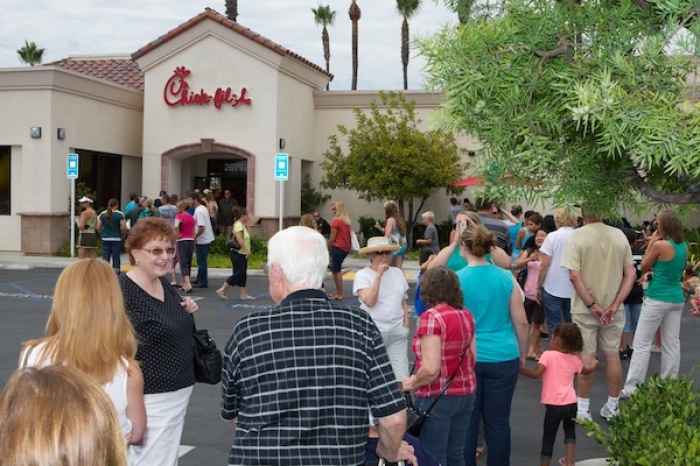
<point>165,418</point>
<point>654,314</point>
<point>396,343</point>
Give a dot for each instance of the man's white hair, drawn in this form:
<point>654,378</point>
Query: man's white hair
<point>302,254</point>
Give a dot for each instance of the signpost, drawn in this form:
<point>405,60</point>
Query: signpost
<point>72,167</point>
<point>281,175</point>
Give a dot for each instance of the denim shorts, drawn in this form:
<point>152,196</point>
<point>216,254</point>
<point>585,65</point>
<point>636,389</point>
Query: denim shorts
<point>337,258</point>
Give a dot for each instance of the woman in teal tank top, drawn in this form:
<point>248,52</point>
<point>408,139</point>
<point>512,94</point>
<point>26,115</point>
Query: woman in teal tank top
<point>496,302</point>
<point>666,258</point>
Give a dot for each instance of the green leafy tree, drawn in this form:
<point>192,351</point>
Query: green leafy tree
<point>407,9</point>
<point>30,53</point>
<point>355,15</point>
<point>324,16</point>
<point>310,196</point>
<point>388,157</point>
<point>577,101</point>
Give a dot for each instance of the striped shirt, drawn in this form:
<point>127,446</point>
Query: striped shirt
<point>302,378</point>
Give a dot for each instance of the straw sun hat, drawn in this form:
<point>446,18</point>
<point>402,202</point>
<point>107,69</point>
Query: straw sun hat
<point>377,244</point>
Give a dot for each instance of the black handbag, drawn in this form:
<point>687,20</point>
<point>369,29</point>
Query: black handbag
<point>416,419</point>
<point>232,242</point>
<point>207,358</point>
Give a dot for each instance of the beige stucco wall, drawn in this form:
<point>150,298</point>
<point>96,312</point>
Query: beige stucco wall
<point>281,107</point>
<point>336,108</point>
<point>96,115</point>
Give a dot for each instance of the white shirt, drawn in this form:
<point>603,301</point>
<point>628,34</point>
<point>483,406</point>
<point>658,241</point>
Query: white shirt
<point>387,313</point>
<point>201,218</point>
<point>115,388</point>
<point>556,281</point>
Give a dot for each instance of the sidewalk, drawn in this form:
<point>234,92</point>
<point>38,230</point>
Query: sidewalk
<point>20,261</point>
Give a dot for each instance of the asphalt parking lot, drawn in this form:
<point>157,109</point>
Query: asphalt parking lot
<point>25,301</point>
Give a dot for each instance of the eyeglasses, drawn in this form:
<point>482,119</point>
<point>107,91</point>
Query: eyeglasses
<point>159,251</point>
<point>382,253</point>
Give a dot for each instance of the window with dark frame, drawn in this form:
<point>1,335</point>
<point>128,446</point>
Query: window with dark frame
<point>5,180</point>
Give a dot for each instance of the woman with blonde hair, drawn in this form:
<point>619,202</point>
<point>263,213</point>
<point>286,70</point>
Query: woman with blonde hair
<point>88,329</point>
<point>149,210</point>
<point>395,230</point>
<point>340,244</point>
<point>58,416</point>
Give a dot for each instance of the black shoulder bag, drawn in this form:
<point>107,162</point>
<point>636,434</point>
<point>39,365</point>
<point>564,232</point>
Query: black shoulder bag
<point>415,419</point>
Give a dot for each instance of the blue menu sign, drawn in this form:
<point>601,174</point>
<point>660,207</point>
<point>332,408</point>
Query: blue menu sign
<point>281,167</point>
<point>72,167</point>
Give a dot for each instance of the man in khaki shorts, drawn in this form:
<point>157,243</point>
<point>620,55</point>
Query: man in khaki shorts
<point>601,269</point>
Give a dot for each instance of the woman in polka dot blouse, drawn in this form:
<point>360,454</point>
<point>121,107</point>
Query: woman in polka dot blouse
<point>164,324</point>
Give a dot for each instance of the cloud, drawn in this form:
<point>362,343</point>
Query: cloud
<point>71,27</point>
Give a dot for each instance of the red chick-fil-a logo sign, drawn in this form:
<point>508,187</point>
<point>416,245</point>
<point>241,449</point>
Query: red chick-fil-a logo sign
<point>177,93</point>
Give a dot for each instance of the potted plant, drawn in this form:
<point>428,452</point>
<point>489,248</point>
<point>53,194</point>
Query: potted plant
<point>659,425</point>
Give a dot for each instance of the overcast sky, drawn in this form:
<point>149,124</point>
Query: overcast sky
<point>88,27</point>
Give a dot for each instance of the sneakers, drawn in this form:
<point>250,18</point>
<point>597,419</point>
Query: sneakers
<point>583,415</point>
<point>607,414</point>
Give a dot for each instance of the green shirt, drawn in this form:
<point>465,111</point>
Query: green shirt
<point>666,284</point>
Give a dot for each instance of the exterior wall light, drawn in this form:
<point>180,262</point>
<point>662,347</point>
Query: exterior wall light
<point>61,133</point>
<point>35,132</point>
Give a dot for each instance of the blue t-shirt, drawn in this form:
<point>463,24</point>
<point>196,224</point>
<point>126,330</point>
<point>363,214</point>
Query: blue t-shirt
<point>487,291</point>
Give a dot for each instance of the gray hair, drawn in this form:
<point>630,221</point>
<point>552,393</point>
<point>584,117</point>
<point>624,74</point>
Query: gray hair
<point>302,254</point>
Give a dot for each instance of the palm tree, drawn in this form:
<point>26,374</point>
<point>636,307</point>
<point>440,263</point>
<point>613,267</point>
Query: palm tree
<point>407,8</point>
<point>355,14</point>
<point>30,53</point>
<point>232,10</point>
<point>324,16</point>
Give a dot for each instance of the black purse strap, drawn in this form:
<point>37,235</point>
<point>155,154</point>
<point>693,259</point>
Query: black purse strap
<point>444,387</point>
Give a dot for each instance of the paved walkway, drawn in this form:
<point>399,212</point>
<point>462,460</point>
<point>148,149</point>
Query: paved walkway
<point>20,261</point>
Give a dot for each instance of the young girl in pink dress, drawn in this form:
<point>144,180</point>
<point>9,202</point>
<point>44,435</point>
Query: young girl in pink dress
<point>557,367</point>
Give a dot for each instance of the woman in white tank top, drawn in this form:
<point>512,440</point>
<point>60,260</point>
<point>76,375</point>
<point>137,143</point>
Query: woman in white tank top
<point>88,329</point>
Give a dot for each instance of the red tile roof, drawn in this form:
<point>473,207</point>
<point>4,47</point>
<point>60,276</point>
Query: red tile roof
<point>224,21</point>
<point>124,71</point>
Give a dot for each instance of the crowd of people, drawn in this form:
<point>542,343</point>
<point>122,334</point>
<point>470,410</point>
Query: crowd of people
<point>308,380</point>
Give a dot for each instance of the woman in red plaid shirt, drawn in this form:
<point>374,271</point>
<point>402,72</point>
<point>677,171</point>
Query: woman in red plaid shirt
<point>444,345</point>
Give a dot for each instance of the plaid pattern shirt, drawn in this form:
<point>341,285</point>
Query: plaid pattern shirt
<point>301,378</point>
<point>455,327</point>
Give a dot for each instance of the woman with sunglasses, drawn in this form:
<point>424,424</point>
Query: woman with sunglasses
<point>382,291</point>
<point>164,324</point>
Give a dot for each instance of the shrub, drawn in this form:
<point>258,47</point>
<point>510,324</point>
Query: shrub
<point>658,425</point>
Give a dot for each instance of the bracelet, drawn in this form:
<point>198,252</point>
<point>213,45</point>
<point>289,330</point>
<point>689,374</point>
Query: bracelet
<point>590,305</point>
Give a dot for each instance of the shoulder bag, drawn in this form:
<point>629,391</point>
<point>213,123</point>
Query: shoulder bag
<point>416,419</point>
<point>232,242</point>
<point>207,357</point>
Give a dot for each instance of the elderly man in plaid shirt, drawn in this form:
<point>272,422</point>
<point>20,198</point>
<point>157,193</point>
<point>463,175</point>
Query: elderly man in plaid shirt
<point>300,379</point>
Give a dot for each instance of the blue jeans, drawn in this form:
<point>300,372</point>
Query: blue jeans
<point>554,307</point>
<point>632,312</point>
<point>202,251</point>
<point>112,250</point>
<point>444,432</point>
<point>495,385</point>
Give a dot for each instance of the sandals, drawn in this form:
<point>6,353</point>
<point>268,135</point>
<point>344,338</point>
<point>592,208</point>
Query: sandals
<point>533,357</point>
<point>335,297</point>
<point>247,298</point>
<point>562,462</point>
<point>221,294</point>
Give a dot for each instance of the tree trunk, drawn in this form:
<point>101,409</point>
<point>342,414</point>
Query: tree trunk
<point>326,51</point>
<point>232,10</point>
<point>355,15</point>
<point>404,52</point>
